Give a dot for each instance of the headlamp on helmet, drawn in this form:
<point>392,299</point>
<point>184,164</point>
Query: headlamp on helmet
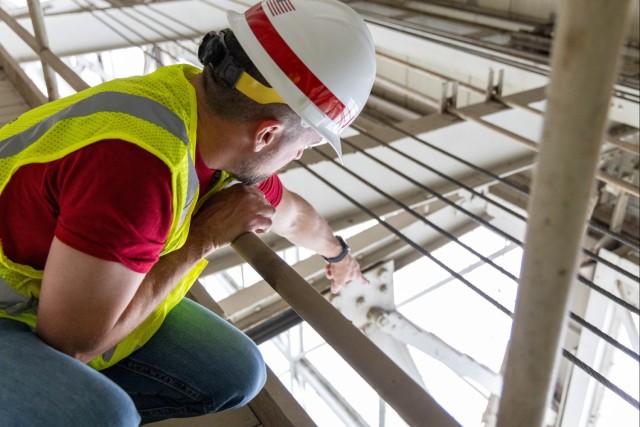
<point>213,51</point>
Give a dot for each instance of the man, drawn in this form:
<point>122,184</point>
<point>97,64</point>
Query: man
<point>112,198</point>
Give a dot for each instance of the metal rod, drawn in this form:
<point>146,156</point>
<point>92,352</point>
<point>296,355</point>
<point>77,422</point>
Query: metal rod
<point>584,63</point>
<point>411,402</point>
<point>39,29</point>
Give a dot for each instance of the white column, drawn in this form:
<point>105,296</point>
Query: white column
<point>585,55</point>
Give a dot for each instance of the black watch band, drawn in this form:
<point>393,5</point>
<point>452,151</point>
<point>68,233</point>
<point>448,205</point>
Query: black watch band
<point>341,255</point>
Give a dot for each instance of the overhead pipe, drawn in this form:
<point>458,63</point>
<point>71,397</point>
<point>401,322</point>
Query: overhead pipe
<point>584,61</point>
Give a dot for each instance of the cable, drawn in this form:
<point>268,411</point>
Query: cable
<point>408,241</point>
<point>609,295</point>
<point>481,221</point>
<point>92,10</point>
<point>457,275</point>
<point>125,12</point>
<point>422,218</point>
<point>520,189</point>
<point>449,236</point>
<point>476,193</point>
<point>516,187</point>
<point>601,379</point>
<point>606,337</point>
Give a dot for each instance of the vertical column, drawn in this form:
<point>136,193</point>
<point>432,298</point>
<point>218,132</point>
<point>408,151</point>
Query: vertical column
<point>37,19</point>
<point>585,54</point>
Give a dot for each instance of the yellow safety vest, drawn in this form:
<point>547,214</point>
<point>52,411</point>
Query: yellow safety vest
<point>156,112</point>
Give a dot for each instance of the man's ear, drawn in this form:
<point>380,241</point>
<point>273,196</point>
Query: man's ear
<point>267,132</point>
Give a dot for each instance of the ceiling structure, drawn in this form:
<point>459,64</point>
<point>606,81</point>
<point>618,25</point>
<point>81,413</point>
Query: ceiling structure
<point>447,144</point>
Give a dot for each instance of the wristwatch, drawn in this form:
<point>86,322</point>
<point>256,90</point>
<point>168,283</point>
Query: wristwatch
<point>341,255</point>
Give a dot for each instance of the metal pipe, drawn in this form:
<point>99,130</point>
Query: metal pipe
<point>37,19</point>
<point>411,402</point>
<point>584,64</point>
<point>49,57</point>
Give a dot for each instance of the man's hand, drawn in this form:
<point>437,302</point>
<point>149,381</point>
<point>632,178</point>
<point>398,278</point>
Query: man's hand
<point>228,214</point>
<point>343,272</point>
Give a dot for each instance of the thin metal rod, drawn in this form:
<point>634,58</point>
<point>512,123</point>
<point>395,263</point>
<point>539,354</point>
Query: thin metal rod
<point>481,195</point>
<point>408,241</point>
<point>39,29</point>
<point>421,218</point>
<point>411,401</point>
<point>516,187</point>
<point>95,12</point>
<point>472,216</point>
<point>584,63</point>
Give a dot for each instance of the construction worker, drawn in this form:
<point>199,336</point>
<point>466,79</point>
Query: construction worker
<point>111,199</point>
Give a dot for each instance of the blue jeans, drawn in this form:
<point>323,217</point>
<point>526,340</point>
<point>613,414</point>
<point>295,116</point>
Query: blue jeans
<point>195,364</point>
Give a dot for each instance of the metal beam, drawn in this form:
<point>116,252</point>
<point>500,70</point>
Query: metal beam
<point>399,327</point>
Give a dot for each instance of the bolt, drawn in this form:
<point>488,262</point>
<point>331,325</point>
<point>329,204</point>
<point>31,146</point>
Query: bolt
<point>383,288</point>
<point>360,300</point>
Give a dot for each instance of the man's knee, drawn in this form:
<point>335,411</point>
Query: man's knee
<point>243,379</point>
<point>114,407</point>
<point>253,373</point>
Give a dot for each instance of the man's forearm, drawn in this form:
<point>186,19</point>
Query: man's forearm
<point>153,289</point>
<point>303,226</point>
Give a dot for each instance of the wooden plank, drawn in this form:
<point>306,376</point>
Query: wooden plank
<point>241,417</point>
<point>19,79</point>
<point>11,102</point>
<point>275,407</point>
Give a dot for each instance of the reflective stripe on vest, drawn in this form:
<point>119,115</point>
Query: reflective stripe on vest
<point>111,102</point>
<point>158,113</point>
<point>12,302</point>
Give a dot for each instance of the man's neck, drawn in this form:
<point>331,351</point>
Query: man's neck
<point>210,129</point>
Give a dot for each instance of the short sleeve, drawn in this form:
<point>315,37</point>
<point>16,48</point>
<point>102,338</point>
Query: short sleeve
<point>115,203</point>
<point>272,189</point>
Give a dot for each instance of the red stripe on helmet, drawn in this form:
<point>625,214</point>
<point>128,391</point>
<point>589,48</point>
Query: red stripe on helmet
<point>294,68</point>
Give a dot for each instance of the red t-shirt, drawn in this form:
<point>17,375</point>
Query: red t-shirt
<point>111,200</point>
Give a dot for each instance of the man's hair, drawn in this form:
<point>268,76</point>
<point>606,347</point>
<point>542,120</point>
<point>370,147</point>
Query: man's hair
<point>233,105</point>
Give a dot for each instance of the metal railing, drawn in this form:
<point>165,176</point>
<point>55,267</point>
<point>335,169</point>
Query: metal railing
<point>411,401</point>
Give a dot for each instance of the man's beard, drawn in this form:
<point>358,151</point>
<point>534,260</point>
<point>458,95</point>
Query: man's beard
<point>248,169</point>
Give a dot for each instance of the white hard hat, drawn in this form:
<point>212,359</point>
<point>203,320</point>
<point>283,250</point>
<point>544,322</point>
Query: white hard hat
<point>317,54</point>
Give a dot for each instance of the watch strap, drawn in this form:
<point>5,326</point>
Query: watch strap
<point>341,255</point>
